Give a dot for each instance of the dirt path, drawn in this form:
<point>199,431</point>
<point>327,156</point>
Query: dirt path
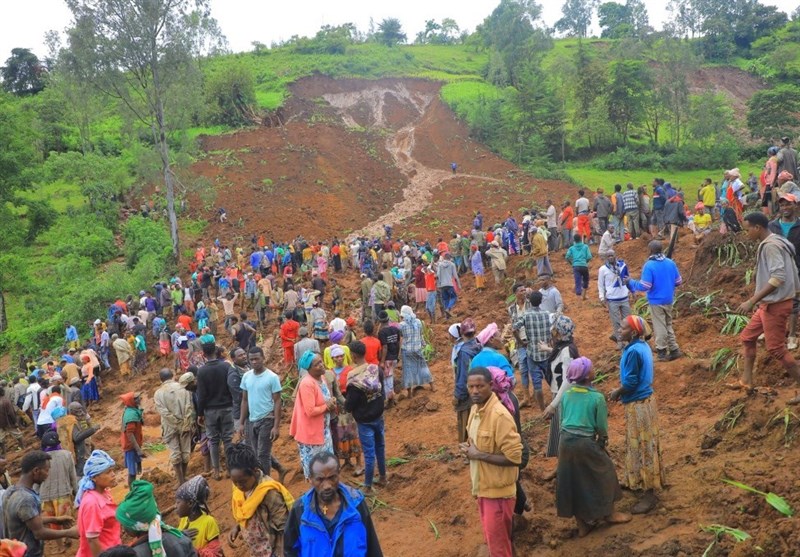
<point>422,179</point>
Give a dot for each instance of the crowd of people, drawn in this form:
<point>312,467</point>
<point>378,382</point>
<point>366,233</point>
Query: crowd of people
<point>340,350</point>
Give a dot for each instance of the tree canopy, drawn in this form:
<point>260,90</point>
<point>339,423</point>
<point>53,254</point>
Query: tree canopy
<point>23,73</point>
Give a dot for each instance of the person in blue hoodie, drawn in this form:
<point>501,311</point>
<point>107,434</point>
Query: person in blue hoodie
<point>331,519</point>
<point>660,277</point>
<point>644,469</point>
<point>659,200</point>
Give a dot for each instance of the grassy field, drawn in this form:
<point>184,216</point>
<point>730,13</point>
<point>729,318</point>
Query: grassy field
<point>688,180</point>
<point>59,194</point>
<point>275,69</point>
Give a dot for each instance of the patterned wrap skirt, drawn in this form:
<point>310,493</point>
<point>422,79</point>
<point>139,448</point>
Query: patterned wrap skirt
<point>643,466</point>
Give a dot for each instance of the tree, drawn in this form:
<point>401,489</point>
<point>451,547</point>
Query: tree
<point>710,115</point>
<point>685,17</point>
<point>590,84</point>
<point>623,20</point>
<point>23,73</point>
<point>510,31</point>
<point>390,32</point>
<point>141,52</point>
<point>774,113</point>
<point>447,32</point>
<point>231,93</point>
<point>576,17</point>
<point>628,81</point>
<point>674,61</point>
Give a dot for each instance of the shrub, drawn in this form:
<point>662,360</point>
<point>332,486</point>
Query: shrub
<point>84,236</point>
<point>145,237</point>
<point>230,94</point>
<point>625,158</point>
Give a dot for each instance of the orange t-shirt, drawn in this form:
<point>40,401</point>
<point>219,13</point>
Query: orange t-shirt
<point>567,218</point>
<point>373,350</point>
<point>186,321</point>
<point>443,247</point>
<point>430,282</point>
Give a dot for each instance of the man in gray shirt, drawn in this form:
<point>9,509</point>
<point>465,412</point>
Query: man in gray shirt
<point>551,297</point>
<point>446,278</point>
<point>304,344</point>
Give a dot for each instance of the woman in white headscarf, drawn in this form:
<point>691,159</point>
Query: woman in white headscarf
<point>415,369</point>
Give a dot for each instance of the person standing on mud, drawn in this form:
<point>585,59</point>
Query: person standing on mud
<point>494,451</point>
<point>660,277</point>
<point>788,225</point>
<point>644,470</point>
<point>447,279</point>
<point>777,282</point>
<point>174,405</point>
<point>214,401</point>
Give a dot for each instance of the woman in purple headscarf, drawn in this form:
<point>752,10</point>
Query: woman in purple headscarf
<point>502,386</point>
<point>587,484</point>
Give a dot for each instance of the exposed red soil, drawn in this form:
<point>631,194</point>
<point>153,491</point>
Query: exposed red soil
<point>699,448</point>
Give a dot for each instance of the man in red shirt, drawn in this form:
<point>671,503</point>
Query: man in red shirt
<point>290,331</point>
<point>430,289</point>
<point>372,343</point>
<point>185,320</point>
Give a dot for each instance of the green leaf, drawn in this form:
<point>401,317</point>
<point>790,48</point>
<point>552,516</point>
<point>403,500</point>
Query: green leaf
<point>743,486</point>
<point>780,504</point>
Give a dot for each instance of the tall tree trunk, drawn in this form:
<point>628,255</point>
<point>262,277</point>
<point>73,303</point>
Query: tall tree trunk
<point>3,319</point>
<point>169,181</point>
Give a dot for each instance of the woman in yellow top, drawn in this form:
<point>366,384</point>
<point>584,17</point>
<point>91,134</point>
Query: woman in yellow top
<point>260,505</point>
<point>196,520</point>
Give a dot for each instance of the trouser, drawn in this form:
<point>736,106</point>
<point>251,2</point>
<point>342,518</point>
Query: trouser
<point>376,310</point>
<point>543,266</point>
<point>449,297</point>
<point>769,319</point>
<point>618,310</point>
<point>522,358</point>
<point>463,408</point>
<point>536,370</point>
<point>552,239</point>
<point>458,260</point>
<point>581,275</point>
<point>633,223</point>
<point>662,327</point>
<point>619,228</point>
<point>179,444</point>
<point>258,436</point>
<point>373,445</point>
<point>499,274</point>
<point>603,224</point>
<point>566,238</point>
<point>496,520</point>
<point>219,427</point>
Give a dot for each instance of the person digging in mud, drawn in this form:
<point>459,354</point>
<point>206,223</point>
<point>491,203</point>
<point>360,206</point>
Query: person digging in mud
<point>777,282</point>
<point>494,451</point>
<point>644,471</point>
<point>587,484</point>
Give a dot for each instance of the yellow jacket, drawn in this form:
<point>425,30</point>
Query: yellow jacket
<point>539,245</point>
<point>497,434</point>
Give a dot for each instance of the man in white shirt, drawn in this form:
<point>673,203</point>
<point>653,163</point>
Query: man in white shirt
<point>337,324</point>
<point>552,226</point>
<point>32,401</point>
<point>607,242</point>
<point>613,292</point>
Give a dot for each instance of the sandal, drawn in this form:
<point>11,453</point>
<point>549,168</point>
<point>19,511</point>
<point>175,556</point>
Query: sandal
<point>740,385</point>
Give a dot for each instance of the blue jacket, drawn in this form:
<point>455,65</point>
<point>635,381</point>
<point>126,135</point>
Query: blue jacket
<point>660,276</point>
<point>636,371</point>
<point>464,356</point>
<point>353,535</point>
<point>660,198</point>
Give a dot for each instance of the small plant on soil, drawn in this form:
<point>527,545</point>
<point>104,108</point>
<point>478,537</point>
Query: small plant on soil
<point>723,361</point>
<point>396,461</point>
<point>705,302</point>
<point>154,447</point>
<point>641,307</point>
<point>729,418</point>
<point>434,528</point>
<point>719,531</point>
<point>788,418</point>
<point>775,501</point>
<point>734,323</point>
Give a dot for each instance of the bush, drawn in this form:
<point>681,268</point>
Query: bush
<point>84,236</point>
<point>721,154</point>
<point>230,94</point>
<point>145,237</point>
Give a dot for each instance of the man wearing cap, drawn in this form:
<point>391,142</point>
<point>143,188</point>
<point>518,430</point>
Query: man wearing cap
<point>132,422</point>
<point>174,405</point>
<point>465,351</point>
<point>305,343</point>
<point>660,277</point>
<point>214,401</point>
<point>389,337</point>
<point>787,225</point>
<point>497,258</point>
<point>777,284</point>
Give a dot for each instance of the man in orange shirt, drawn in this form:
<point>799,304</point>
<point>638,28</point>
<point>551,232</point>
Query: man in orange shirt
<point>185,320</point>
<point>566,225</point>
<point>372,343</point>
<point>290,330</point>
<point>442,246</point>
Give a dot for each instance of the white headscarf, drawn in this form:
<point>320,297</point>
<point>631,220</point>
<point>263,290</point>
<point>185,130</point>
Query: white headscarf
<point>407,313</point>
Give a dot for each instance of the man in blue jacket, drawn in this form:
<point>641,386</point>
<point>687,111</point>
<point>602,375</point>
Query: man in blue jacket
<point>331,519</point>
<point>660,277</point>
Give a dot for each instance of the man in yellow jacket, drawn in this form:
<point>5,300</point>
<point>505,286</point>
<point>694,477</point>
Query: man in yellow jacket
<point>494,450</point>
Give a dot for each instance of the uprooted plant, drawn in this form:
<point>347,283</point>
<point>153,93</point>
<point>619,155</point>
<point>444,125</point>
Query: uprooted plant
<point>723,362</point>
<point>775,501</point>
<point>790,423</point>
<point>719,531</point>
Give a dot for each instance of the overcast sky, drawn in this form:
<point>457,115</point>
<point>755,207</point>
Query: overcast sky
<point>243,21</point>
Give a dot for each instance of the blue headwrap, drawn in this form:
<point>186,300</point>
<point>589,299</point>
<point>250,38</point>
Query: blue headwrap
<point>97,463</point>
<point>59,412</point>
<point>306,359</point>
